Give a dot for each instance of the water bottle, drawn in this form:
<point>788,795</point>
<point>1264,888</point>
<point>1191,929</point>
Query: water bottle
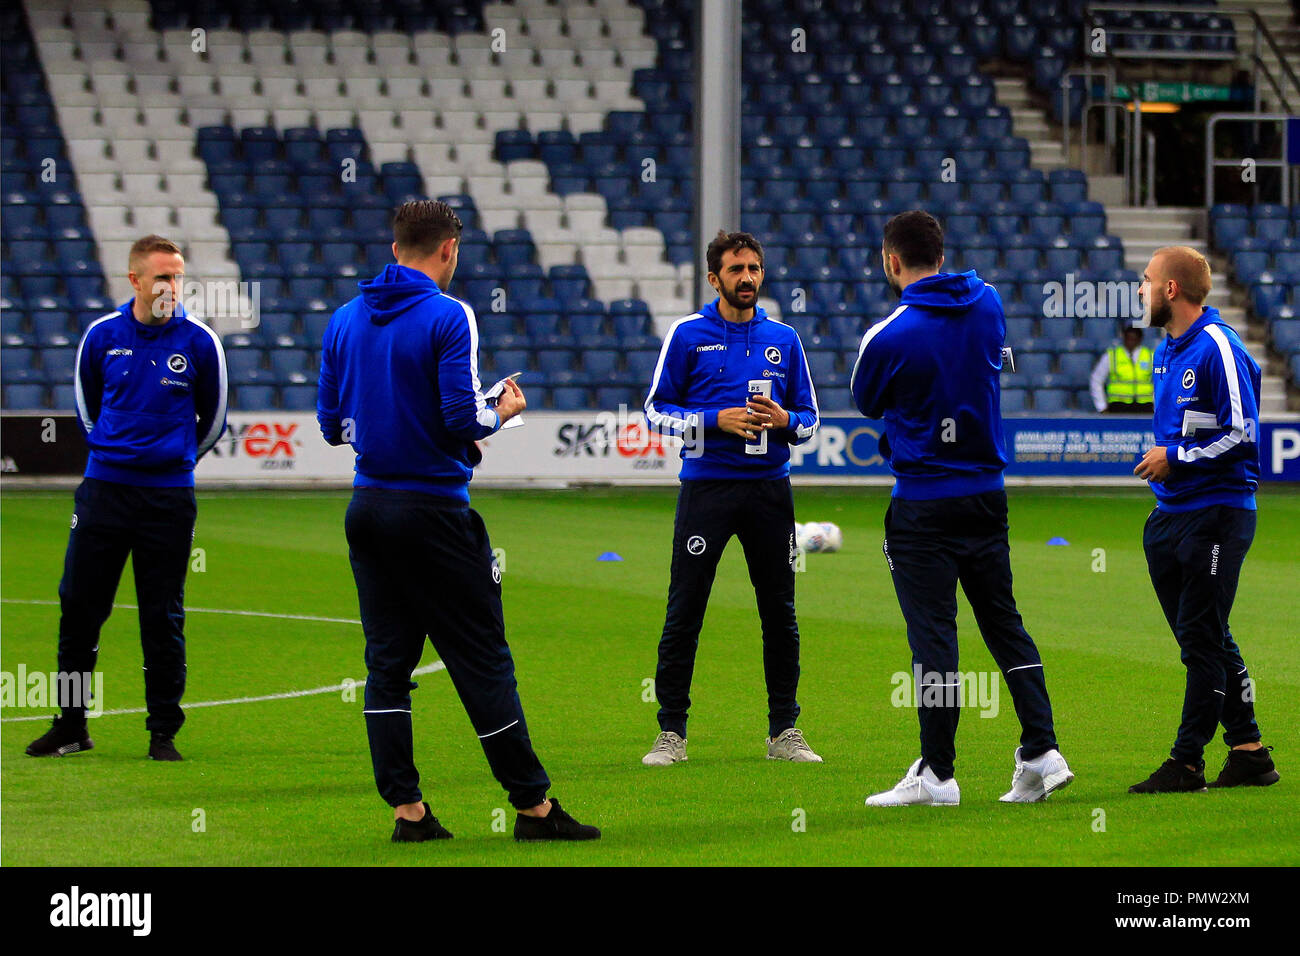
<point>758,446</point>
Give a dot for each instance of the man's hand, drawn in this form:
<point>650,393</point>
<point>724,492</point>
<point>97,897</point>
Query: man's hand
<point>740,421</point>
<point>511,402</point>
<point>1154,465</point>
<point>767,412</point>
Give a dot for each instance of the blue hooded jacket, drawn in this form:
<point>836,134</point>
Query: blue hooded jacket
<point>931,371</point>
<point>399,383</point>
<point>1207,416</point>
<point>705,365</point>
<point>151,399</point>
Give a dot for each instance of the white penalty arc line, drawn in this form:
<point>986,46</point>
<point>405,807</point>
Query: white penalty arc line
<point>286,695</point>
<point>207,610</point>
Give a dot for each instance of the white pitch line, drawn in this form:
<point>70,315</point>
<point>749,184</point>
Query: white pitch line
<point>333,689</point>
<point>209,610</point>
<point>336,688</point>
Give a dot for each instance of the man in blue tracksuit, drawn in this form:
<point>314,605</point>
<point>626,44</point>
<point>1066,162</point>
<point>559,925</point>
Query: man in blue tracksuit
<point>399,383</point>
<point>931,370</point>
<point>735,386</point>
<point>150,388</point>
<point>1204,470</point>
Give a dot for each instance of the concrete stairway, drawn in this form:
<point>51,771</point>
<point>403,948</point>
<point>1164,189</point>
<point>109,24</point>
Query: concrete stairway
<point>1279,18</point>
<point>1029,121</point>
<point>1145,229</point>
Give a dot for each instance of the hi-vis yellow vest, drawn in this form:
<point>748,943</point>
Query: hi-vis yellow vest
<point>1130,383</point>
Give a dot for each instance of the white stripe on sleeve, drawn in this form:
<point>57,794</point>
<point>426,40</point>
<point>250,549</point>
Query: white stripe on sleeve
<point>487,417</point>
<point>658,418</point>
<point>219,417</point>
<point>79,394</point>
<point>806,431</point>
<point>871,334</point>
<point>1238,424</point>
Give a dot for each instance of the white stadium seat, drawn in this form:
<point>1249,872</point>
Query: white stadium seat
<point>558,58</point>
<point>443,185</point>
<point>202,251</point>
<point>335,119</point>
<point>148,219</point>
<point>254,116</point>
<point>237,89</point>
<point>196,220</point>
<point>362,91</point>
<point>405,89</point>
<point>180,186</point>
<point>493,218</point>
<point>132,153</point>
<point>288,117</point>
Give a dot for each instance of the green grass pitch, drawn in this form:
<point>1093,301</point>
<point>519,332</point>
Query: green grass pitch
<point>288,781</point>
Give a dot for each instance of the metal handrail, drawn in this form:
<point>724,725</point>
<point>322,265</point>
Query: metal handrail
<point>1211,164</point>
<point>1261,31</point>
<point>1128,140</point>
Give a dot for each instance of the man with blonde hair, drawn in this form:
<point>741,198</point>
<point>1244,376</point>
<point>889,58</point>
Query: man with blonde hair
<point>150,387</point>
<point>1203,470</point>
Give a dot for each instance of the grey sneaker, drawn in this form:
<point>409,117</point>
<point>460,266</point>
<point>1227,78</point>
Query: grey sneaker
<point>790,745</point>
<point>1035,780</point>
<point>668,748</point>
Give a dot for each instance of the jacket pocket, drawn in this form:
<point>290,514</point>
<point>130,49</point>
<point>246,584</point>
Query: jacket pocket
<point>141,440</point>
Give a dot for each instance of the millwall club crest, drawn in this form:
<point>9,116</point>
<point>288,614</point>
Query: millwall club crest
<point>695,545</point>
<point>177,363</point>
<point>1189,378</point>
<point>773,355</point>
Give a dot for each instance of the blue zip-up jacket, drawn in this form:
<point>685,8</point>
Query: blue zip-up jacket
<point>931,371</point>
<point>399,383</point>
<point>151,399</point>
<point>1207,416</point>
<point>705,365</point>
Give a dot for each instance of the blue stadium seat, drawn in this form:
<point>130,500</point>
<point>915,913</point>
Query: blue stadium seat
<point>1032,365</point>
<point>1076,367</point>
<point>1013,401</point>
<point>298,397</point>
<point>1087,219</point>
<point>1050,401</point>
<point>569,399</point>
<point>641,364</point>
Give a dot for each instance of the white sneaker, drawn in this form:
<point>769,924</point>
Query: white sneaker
<point>668,748</point>
<point>923,788</point>
<point>1035,779</point>
<point>790,745</point>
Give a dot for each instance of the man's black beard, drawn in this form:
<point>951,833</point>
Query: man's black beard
<point>1161,314</point>
<point>894,285</point>
<point>733,298</point>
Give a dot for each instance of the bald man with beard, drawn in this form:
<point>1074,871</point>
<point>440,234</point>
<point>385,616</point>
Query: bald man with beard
<point>1203,469</point>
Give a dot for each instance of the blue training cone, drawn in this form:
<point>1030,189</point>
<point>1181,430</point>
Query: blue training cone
<point>1057,541</point>
<point>610,556</point>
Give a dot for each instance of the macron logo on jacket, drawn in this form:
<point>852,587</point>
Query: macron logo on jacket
<point>705,365</point>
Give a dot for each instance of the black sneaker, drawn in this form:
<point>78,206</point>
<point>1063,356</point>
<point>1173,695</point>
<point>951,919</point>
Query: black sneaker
<point>64,737</point>
<point>417,831</point>
<point>1247,768</point>
<point>1172,777</point>
<point>162,748</point>
<point>556,825</point>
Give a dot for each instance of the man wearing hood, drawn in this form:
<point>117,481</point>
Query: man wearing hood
<point>1203,470</point>
<point>931,371</point>
<point>735,386</point>
<point>399,383</point>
